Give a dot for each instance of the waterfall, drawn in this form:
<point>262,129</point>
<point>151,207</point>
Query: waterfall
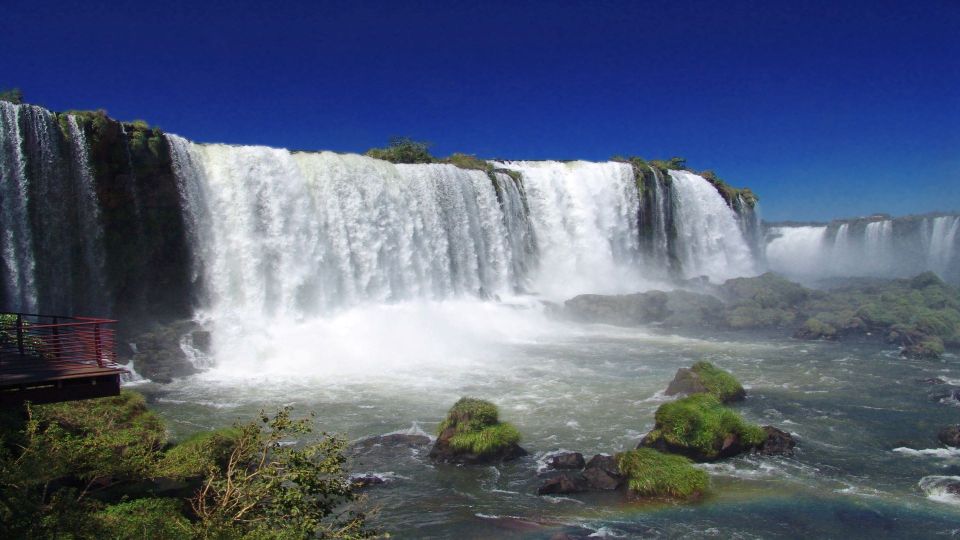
<point>709,240</point>
<point>867,247</point>
<point>88,217</point>
<point>585,218</point>
<point>298,234</point>
<point>16,241</point>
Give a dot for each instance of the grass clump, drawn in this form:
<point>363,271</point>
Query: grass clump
<point>473,426</point>
<point>160,518</point>
<point>699,425</point>
<point>403,150</point>
<point>654,474</point>
<point>487,440</point>
<point>718,382</point>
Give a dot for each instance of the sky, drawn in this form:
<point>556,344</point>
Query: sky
<point>826,109</point>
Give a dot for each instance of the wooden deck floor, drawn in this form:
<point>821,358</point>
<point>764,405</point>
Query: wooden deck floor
<point>46,381</point>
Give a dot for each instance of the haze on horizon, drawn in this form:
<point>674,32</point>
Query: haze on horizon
<point>825,110</point>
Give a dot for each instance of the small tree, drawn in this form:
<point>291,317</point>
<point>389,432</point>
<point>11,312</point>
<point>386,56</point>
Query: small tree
<point>273,488</point>
<point>13,95</point>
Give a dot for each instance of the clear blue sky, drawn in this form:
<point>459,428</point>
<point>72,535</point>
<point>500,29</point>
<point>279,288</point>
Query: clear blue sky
<point>825,108</point>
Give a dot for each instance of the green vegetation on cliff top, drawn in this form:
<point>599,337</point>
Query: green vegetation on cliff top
<point>654,474</point>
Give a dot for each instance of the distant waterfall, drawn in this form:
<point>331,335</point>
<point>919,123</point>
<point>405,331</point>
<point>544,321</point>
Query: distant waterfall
<point>710,240</point>
<point>867,247</point>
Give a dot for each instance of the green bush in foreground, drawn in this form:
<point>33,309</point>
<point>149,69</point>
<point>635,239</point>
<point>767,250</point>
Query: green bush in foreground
<point>199,454</point>
<point>718,382</point>
<point>159,518</point>
<point>654,474</point>
<point>698,426</point>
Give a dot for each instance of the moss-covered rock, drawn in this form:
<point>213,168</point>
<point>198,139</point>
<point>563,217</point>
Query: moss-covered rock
<point>472,433</point>
<point>701,428</point>
<point>814,328</point>
<point>704,377</point>
<point>468,161</point>
<point>654,474</point>
<point>403,150</point>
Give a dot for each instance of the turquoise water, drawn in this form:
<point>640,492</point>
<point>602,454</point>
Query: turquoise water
<point>865,422</point>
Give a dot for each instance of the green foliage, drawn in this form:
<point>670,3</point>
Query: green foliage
<point>64,466</point>
<point>718,382</point>
<point>470,414</point>
<point>159,518</point>
<point>654,474</point>
<point>13,95</point>
<point>199,454</point>
<point>269,488</point>
<point>486,440</point>
<point>815,328</point>
<point>403,150</point>
<point>468,161</point>
<point>476,428</point>
<point>699,423</point>
<point>672,164</point>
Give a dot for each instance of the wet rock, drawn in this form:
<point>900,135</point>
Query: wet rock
<point>566,460</point>
<point>932,380</point>
<point>393,440</point>
<point>201,340</point>
<point>564,484</point>
<point>672,309</point>
<point>602,473</point>
<point>950,436</point>
<point>366,480</point>
<point>777,443</point>
<point>158,355</point>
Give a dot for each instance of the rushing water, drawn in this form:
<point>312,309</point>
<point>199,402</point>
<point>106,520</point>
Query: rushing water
<point>868,465</point>
<point>377,294</point>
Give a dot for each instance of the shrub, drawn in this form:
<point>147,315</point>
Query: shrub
<point>698,425</point>
<point>654,474</point>
<point>159,518</point>
<point>403,150</point>
<point>486,440</point>
<point>199,454</point>
<point>470,414</point>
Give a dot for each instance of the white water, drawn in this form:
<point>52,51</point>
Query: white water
<point>710,239</point>
<point>18,261</point>
<point>877,248</point>
<point>584,216</point>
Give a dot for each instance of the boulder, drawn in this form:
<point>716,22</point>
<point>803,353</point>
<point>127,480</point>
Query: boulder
<point>777,443</point>
<point>705,378</point>
<point>158,355</point>
<point>603,473</point>
<point>566,460</point>
<point>950,436</point>
<point>361,481</point>
<point>393,440</point>
<point>564,484</point>
<point>472,434</point>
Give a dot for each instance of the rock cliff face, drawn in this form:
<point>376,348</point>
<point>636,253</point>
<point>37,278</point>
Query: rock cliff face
<point>92,216</point>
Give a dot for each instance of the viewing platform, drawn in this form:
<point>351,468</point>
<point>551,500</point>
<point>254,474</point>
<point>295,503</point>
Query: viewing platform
<point>47,358</point>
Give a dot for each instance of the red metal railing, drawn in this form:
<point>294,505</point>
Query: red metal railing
<point>82,340</point>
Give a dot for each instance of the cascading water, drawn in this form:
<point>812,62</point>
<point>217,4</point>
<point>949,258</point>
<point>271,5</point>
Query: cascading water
<point>585,217</point>
<point>52,240</point>
<point>16,241</point>
<point>872,247</point>
<point>710,241</point>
